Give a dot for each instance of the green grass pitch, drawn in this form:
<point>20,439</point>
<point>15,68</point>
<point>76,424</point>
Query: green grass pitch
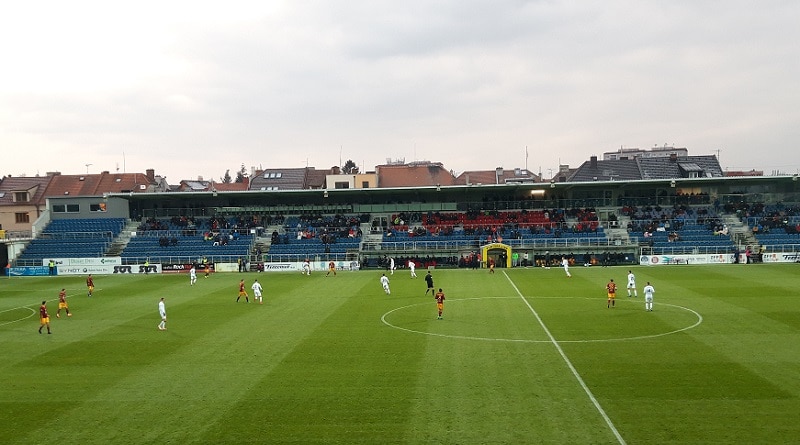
<point>521,356</point>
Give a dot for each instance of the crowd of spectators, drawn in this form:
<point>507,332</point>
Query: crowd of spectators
<point>764,219</point>
<point>494,226</point>
<point>317,226</point>
<point>650,219</point>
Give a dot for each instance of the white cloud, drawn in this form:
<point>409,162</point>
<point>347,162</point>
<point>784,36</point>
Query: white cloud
<point>197,88</point>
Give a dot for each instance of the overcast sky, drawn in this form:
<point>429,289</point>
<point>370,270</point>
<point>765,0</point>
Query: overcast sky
<point>197,88</point>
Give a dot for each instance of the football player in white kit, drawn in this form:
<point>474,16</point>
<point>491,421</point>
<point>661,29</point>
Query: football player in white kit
<point>391,266</point>
<point>565,264</point>
<point>257,292</point>
<point>648,296</point>
<point>306,267</point>
<point>385,284</point>
<point>632,284</point>
<point>192,276</point>
<point>412,266</point>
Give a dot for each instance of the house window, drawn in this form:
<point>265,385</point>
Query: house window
<point>364,184</point>
<point>22,218</point>
<point>273,175</point>
<point>21,197</point>
<point>341,185</point>
<point>59,208</point>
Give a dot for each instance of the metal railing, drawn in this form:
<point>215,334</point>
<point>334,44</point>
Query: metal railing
<point>530,243</point>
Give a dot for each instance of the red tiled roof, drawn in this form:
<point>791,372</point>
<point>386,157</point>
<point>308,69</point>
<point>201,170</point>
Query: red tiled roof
<point>413,175</point>
<point>490,176</point>
<point>12,184</point>
<point>97,184</point>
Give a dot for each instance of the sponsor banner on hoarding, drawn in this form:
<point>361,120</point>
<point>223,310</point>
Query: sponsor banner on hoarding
<point>110,269</point>
<point>138,269</point>
<point>658,260</point>
<point>284,267</point>
<point>101,261</point>
<point>315,265</point>
<point>175,268</point>
<point>226,267</point>
<point>184,268</point>
<point>29,271</point>
<point>787,257</point>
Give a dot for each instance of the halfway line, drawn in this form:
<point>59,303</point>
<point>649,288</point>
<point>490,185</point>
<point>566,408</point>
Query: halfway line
<point>569,364</point>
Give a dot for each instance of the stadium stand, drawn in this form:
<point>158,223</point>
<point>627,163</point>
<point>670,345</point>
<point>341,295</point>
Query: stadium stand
<point>73,238</point>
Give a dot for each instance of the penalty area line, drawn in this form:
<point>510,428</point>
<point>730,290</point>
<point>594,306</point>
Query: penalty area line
<point>569,364</point>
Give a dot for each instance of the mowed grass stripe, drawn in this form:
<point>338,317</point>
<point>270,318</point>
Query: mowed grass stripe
<point>316,364</point>
<point>214,360</point>
<point>347,382</point>
<point>686,376</point>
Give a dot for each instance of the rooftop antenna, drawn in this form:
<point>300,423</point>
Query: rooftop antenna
<point>87,168</point>
<point>526,158</point>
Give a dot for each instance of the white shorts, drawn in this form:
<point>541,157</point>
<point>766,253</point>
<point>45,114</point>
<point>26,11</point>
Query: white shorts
<point>648,298</point>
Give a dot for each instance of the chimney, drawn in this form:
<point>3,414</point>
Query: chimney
<point>673,157</point>
<point>593,162</point>
<point>335,170</point>
<point>151,174</point>
<point>498,174</point>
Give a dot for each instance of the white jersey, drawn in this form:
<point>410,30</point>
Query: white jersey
<point>391,263</point>
<point>192,273</point>
<point>412,265</point>
<point>256,289</point>
<point>162,310</point>
<point>648,292</point>
<point>631,280</point>
<point>385,283</point>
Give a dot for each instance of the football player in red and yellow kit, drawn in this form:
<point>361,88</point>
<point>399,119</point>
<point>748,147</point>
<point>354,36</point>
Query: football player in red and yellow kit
<point>611,288</point>
<point>62,304</point>
<point>90,284</point>
<point>439,297</point>
<point>44,318</point>
<point>242,292</point>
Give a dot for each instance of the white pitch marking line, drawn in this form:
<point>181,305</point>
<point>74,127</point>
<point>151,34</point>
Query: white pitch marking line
<point>19,319</point>
<point>33,311</point>
<point>569,364</point>
<point>385,321</point>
